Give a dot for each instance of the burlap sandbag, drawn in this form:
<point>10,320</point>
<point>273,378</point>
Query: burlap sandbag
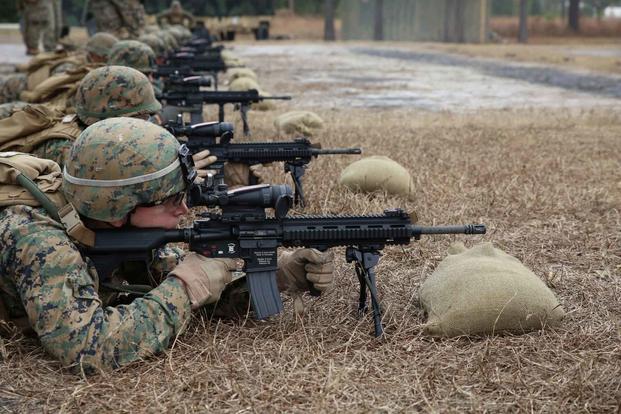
<point>235,73</point>
<point>378,173</point>
<point>243,84</point>
<point>483,290</point>
<point>246,84</point>
<point>266,105</point>
<point>298,122</point>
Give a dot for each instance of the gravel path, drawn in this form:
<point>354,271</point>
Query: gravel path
<point>366,75</point>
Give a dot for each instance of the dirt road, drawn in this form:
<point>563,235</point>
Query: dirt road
<point>367,75</point>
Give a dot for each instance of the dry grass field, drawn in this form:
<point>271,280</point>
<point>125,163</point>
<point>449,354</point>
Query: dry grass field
<point>547,185</point>
<point>546,182</point>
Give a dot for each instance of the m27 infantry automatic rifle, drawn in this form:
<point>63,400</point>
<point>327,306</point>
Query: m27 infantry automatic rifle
<point>243,230</point>
<point>296,154</point>
<point>195,101</point>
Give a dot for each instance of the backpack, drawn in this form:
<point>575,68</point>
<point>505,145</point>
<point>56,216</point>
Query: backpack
<point>32,181</point>
<point>25,130</point>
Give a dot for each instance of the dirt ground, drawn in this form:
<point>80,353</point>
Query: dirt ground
<point>535,159</point>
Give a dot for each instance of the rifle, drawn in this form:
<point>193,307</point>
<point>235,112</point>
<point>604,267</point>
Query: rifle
<point>243,230</point>
<point>200,46</point>
<point>190,68</point>
<point>195,100</point>
<point>187,84</point>
<point>295,154</point>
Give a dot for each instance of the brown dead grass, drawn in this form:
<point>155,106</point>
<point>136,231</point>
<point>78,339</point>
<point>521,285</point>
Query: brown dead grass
<point>548,186</point>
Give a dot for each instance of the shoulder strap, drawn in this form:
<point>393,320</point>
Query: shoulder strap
<point>67,215</point>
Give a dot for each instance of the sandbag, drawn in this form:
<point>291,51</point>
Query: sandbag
<point>298,122</point>
<point>378,173</point>
<point>484,290</point>
<point>265,105</point>
<point>235,73</point>
<point>243,84</point>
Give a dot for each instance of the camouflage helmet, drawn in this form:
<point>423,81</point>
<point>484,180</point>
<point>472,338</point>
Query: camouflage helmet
<point>133,54</point>
<point>114,91</point>
<point>155,43</point>
<point>169,40</point>
<point>186,34</point>
<point>179,34</point>
<point>151,28</point>
<point>101,43</point>
<point>118,164</point>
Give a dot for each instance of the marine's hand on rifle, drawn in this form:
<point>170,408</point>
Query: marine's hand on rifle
<point>304,269</point>
<point>204,278</point>
<point>202,160</point>
<point>238,174</point>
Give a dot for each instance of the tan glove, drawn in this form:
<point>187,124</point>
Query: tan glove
<point>300,269</point>
<point>202,160</point>
<point>204,278</point>
<point>236,174</point>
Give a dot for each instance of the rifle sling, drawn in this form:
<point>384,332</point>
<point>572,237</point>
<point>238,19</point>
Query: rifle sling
<point>67,215</point>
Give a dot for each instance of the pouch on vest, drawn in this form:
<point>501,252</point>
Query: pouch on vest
<point>34,124</point>
<point>32,181</point>
<point>55,85</point>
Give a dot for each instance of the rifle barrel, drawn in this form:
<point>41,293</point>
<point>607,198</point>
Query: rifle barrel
<point>467,229</point>
<point>337,151</point>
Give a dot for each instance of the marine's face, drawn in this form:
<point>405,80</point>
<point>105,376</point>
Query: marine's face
<point>166,215</point>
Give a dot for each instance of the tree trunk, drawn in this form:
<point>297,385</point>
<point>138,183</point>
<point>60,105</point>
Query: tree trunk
<point>574,15</point>
<point>378,28</point>
<point>328,27</point>
<point>292,6</point>
<point>523,32</point>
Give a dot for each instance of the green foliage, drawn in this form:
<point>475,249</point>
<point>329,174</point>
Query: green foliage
<point>504,8</point>
<point>8,12</point>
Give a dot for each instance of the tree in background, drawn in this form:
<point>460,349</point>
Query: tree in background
<point>328,27</point>
<point>378,27</point>
<point>574,15</point>
<point>523,30</point>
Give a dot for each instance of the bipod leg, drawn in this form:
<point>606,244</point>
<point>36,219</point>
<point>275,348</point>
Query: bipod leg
<point>243,111</point>
<point>365,265</point>
<point>297,172</point>
<point>362,301</point>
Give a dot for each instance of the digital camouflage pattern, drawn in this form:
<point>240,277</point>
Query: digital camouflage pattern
<point>44,277</point>
<point>41,18</point>
<point>169,39</point>
<point>113,91</point>
<point>101,44</point>
<point>155,43</point>
<point>6,109</point>
<point>175,15</point>
<point>121,148</point>
<point>11,86</point>
<point>57,150</point>
<point>180,33</point>
<point>124,18</point>
<point>133,54</point>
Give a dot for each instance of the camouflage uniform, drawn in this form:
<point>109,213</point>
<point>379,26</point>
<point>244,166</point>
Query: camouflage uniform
<point>11,86</point>
<point>6,109</point>
<point>123,18</point>
<point>44,277</point>
<point>46,65</point>
<point>105,92</point>
<point>175,15</point>
<point>41,17</point>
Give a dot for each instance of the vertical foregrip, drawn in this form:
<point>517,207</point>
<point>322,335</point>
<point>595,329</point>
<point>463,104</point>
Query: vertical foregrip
<point>264,293</point>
